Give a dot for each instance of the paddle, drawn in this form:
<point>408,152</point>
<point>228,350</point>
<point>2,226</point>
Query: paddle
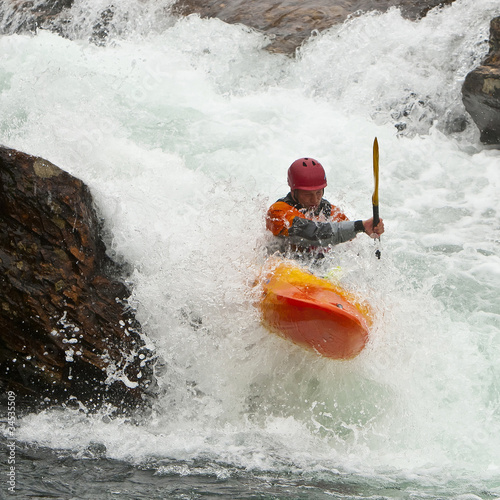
<point>376,218</point>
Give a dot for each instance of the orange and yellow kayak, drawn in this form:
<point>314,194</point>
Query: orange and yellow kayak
<point>313,312</point>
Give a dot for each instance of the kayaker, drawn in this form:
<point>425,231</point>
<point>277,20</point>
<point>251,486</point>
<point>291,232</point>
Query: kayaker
<point>304,222</point>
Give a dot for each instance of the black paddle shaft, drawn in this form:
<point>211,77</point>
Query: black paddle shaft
<point>376,218</point>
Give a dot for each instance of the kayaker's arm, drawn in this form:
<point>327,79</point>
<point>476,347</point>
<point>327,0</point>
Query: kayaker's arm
<point>289,223</point>
<point>304,232</point>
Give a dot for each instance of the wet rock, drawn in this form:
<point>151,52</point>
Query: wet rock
<point>291,22</point>
<point>481,90</point>
<point>19,16</point>
<point>66,332</point>
<point>287,22</point>
<point>101,28</point>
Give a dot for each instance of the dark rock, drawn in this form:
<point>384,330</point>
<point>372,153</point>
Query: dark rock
<point>291,22</point>
<point>26,16</point>
<point>101,29</point>
<point>481,90</point>
<point>288,22</point>
<point>66,332</point>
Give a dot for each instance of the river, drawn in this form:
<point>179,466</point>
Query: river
<point>184,129</point>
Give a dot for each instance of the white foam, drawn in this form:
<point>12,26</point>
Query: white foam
<point>184,134</point>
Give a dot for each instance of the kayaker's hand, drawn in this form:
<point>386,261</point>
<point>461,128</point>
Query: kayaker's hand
<point>373,232</point>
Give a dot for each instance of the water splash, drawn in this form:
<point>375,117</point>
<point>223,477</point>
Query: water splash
<point>184,133</point>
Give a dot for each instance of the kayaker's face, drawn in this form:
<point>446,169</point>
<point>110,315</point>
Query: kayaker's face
<point>308,199</point>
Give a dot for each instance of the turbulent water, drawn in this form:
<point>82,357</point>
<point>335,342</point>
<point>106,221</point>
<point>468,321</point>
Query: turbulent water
<point>184,129</point>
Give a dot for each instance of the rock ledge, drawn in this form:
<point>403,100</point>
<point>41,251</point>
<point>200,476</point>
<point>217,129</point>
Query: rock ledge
<point>66,332</point>
<point>481,90</point>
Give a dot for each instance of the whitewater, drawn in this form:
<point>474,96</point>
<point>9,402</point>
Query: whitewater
<point>184,129</point>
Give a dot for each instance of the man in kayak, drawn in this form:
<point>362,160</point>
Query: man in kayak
<point>304,222</point>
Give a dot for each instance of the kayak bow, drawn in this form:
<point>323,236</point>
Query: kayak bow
<point>313,312</point>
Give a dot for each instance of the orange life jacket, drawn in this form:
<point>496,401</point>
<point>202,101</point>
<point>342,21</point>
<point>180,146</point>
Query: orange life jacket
<point>281,214</point>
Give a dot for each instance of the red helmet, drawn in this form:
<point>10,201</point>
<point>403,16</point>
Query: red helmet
<point>307,174</point>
